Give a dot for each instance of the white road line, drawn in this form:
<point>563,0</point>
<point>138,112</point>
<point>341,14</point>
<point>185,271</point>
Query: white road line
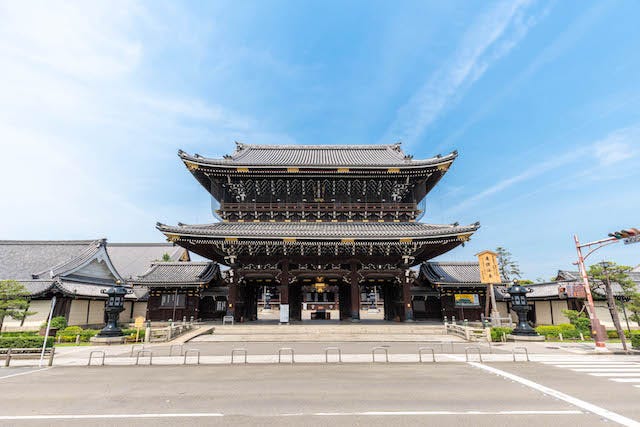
<point>605,413</point>
<point>24,373</point>
<point>315,414</point>
<point>609,370</point>
<point>597,366</point>
<point>106,416</point>
<point>615,374</point>
<point>626,380</point>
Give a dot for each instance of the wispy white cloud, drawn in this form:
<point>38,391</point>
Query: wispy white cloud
<point>597,160</point>
<point>493,35</point>
<point>82,137</point>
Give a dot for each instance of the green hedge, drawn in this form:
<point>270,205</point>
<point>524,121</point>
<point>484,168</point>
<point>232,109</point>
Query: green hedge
<point>614,333</point>
<point>70,333</point>
<point>131,333</point>
<point>553,331</point>
<point>496,333</point>
<point>19,334</point>
<point>24,341</point>
<point>635,341</point>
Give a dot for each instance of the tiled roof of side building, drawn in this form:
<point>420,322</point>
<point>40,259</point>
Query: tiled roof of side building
<point>452,272</point>
<point>22,259</point>
<point>180,273</point>
<point>134,259</point>
<point>320,231</point>
<point>318,155</point>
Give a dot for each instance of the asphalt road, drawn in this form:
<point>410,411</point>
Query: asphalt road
<point>361,394</point>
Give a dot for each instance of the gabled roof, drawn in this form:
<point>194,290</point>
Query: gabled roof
<point>49,259</point>
<point>29,259</point>
<point>134,259</point>
<point>320,231</point>
<point>452,273</point>
<point>317,155</point>
<point>170,273</point>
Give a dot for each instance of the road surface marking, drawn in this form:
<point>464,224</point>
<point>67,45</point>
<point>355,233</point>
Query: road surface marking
<point>106,416</point>
<point>626,380</point>
<point>411,413</point>
<point>615,374</point>
<point>24,373</point>
<point>605,413</point>
<point>608,370</point>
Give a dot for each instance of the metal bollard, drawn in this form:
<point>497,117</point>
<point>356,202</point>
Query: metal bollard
<point>96,352</point>
<point>191,350</point>
<point>239,350</point>
<point>326,354</point>
<point>290,350</point>
<point>421,349</point>
<point>133,347</point>
<point>466,353</point>
<point>526,352</point>
<point>384,349</point>
<point>143,352</point>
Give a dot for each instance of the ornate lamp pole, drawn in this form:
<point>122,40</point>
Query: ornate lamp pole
<point>521,307</point>
<point>114,306</point>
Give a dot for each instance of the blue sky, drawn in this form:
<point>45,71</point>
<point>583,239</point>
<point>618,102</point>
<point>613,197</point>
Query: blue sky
<point>541,99</point>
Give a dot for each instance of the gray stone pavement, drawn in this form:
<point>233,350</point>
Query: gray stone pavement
<point>364,394</point>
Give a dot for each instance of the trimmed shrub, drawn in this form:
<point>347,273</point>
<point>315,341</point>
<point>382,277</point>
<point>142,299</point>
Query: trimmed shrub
<point>58,322</point>
<point>25,341</point>
<point>19,334</point>
<point>131,333</point>
<point>496,333</point>
<point>635,341</point>
<point>553,331</point>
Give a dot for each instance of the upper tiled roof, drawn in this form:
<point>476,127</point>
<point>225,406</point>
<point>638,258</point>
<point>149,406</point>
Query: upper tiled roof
<point>134,259</point>
<point>451,272</point>
<point>24,259</point>
<point>320,231</point>
<point>318,155</point>
<point>180,273</point>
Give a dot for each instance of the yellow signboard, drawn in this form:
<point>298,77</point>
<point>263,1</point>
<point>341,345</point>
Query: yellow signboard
<point>466,300</point>
<point>139,322</point>
<point>489,271</point>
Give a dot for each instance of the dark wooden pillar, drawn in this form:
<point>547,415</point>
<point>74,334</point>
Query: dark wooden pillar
<point>233,296</point>
<point>406,296</point>
<point>355,293</point>
<point>283,288</point>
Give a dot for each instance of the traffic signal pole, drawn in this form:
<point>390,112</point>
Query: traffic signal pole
<point>597,330</point>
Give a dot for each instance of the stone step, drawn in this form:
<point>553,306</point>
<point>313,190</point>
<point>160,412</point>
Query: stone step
<point>328,338</point>
<point>347,329</point>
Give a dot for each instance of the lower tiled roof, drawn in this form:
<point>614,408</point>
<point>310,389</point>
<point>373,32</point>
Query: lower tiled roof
<point>180,273</point>
<point>451,272</point>
<point>320,231</point>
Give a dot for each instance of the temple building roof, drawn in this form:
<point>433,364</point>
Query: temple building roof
<point>366,156</point>
<point>71,267</point>
<point>319,231</point>
<point>134,259</point>
<point>452,273</point>
<point>179,273</point>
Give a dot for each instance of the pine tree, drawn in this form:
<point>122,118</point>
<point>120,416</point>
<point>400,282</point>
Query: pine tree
<point>509,268</point>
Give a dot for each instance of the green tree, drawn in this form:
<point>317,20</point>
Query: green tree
<point>14,301</point>
<point>166,257</point>
<point>509,268</point>
<point>609,272</point>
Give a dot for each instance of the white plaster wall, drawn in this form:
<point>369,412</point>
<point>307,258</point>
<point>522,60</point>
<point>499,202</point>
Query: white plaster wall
<point>78,312</point>
<point>33,322</point>
<point>558,317</point>
<point>96,312</point>
<point>543,313</point>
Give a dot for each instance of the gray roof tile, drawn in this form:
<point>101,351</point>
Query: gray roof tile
<point>318,155</point>
<point>180,273</point>
<point>134,259</point>
<point>451,272</point>
<point>320,231</point>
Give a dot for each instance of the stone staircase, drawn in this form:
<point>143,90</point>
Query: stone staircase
<point>349,332</point>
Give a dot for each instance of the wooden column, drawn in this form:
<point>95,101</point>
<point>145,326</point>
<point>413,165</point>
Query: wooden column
<point>355,293</point>
<point>283,288</point>
<point>233,295</point>
<point>406,296</point>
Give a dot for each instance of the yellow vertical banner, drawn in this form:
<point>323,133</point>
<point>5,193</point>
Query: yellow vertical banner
<point>489,271</point>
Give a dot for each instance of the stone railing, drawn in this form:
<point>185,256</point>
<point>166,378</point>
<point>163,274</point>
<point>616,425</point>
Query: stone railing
<point>169,332</point>
<point>469,333</point>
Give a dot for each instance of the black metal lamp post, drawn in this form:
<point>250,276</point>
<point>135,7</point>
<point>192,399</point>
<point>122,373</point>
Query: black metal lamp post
<point>267,300</point>
<point>519,304</point>
<point>113,308</point>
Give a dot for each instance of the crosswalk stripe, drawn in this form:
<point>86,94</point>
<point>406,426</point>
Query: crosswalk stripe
<point>608,370</point>
<point>615,374</point>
